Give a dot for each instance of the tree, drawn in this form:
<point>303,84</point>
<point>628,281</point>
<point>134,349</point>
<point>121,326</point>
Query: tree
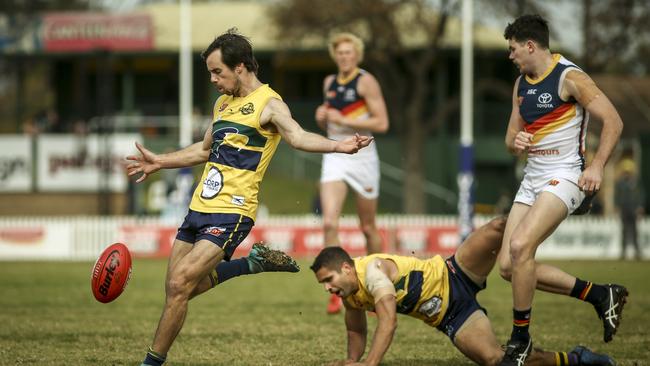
<point>403,40</point>
<point>616,36</point>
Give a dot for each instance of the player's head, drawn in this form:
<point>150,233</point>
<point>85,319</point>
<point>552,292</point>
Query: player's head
<point>526,35</point>
<point>226,58</point>
<point>334,268</point>
<point>346,50</point>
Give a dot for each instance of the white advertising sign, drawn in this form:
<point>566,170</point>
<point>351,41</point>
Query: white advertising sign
<point>88,164</point>
<point>583,239</point>
<point>15,163</point>
<point>36,241</point>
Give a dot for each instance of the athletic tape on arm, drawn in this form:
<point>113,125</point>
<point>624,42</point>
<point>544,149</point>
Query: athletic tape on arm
<point>378,283</point>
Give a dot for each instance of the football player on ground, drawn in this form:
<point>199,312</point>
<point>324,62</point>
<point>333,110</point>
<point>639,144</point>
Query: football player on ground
<point>440,292</point>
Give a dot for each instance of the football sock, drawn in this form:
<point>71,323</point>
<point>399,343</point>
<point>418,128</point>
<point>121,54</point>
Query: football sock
<point>153,358</point>
<point>228,270</point>
<point>520,323</point>
<point>566,359</point>
<point>587,291</point>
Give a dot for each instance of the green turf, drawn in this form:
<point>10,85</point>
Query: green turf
<point>49,317</point>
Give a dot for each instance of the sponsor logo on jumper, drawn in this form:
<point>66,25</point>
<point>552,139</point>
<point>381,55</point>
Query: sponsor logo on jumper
<point>247,108</point>
<point>431,307</point>
<point>212,184</point>
<point>554,182</point>
<point>544,152</point>
<point>545,101</point>
<point>238,200</point>
<point>350,95</point>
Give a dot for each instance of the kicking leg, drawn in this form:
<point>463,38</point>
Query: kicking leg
<point>260,259</point>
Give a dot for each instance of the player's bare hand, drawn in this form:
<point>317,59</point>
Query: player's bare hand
<point>144,163</point>
<point>335,116</point>
<point>353,144</point>
<point>522,142</point>
<point>321,113</point>
<point>591,178</point>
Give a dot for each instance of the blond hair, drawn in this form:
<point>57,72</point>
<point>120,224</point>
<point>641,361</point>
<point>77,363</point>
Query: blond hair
<point>339,38</point>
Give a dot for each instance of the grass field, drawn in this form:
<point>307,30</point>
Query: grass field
<point>49,317</point>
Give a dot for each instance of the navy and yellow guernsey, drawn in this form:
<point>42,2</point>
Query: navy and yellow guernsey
<point>422,287</point>
<point>241,152</point>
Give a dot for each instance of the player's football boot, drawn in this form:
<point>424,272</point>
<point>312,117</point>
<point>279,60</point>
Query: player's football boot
<point>610,310</point>
<point>587,357</point>
<point>517,352</point>
<point>334,305</point>
<point>264,259</point>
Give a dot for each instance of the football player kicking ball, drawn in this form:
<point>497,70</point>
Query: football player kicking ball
<point>440,292</point>
<point>249,120</point>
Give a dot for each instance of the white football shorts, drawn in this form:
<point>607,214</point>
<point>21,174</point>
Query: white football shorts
<point>360,171</point>
<point>563,188</point>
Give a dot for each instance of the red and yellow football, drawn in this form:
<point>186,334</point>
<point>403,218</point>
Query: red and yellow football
<point>111,273</point>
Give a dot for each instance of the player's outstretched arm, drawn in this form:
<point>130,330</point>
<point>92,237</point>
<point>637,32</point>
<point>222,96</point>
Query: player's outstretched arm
<point>580,86</point>
<point>277,113</point>
<point>148,162</point>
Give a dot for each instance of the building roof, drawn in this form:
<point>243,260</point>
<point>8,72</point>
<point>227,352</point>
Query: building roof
<point>250,17</point>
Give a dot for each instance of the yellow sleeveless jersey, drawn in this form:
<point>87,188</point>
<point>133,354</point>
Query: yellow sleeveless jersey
<point>241,152</point>
<point>422,287</point>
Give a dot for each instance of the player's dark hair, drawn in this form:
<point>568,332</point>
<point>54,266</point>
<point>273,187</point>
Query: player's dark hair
<point>332,258</point>
<point>528,27</point>
<point>235,49</point>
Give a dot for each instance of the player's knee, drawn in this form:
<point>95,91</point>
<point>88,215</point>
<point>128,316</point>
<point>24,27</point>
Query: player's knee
<point>498,225</point>
<point>368,229</point>
<point>505,269</point>
<point>178,286</point>
<point>520,249</point>
<point>330,225</point>
<point>492,359</point>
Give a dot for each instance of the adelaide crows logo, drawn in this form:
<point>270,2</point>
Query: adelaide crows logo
<point>247,108</point>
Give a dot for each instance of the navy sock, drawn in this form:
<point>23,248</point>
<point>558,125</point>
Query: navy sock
<point>520,323</point>
<point>153,358</point>
<point>228,270</point>
<point>587,291</point>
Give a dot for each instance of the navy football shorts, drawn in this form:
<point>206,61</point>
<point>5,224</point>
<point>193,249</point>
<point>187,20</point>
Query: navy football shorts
<point>462,299</point>
<point>223,229</point>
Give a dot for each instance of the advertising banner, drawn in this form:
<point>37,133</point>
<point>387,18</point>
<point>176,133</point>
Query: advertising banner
<point>88,31</point>
<point>148,241</point>
<point>36,241</point>
<point>15,163</point>
<point>83,164</point>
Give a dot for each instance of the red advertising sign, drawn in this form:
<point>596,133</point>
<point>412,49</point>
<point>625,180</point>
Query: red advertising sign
<point>89,31</point>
